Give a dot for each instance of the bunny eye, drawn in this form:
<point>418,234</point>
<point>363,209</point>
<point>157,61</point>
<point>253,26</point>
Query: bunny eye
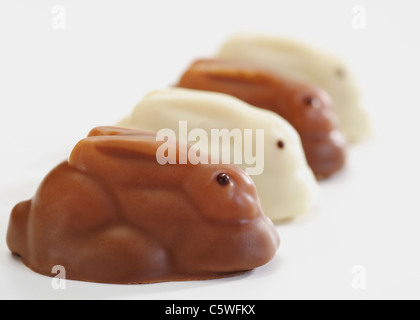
<point>312,102</point>
<point>339,72</point>
<point>280,144</point>
<point>223,179</point>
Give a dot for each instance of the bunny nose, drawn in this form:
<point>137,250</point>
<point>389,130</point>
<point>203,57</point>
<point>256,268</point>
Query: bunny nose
<point>249,204</point>
<point>327,152</point>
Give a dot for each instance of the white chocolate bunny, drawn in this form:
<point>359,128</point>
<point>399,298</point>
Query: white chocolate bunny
<point>303,63</point>
<point>286,186</point>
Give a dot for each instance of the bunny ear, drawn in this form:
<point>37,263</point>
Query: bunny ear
<point>228,70</point>
<point>122,140</point>
<point>106,147</point>
<point>116,131</point>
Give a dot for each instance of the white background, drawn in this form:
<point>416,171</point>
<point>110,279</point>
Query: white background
<point>55,85</point>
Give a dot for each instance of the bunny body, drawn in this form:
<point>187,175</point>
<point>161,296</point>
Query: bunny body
<point>303,63</point>
<point>286,187</point>
<point>307,108</point>
<point>112,214</point>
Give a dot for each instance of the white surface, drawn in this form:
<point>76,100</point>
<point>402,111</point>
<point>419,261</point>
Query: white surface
<point>57,85</point>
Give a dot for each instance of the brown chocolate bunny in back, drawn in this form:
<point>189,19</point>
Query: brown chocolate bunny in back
<point>307,108</point>
<point>113,214</point>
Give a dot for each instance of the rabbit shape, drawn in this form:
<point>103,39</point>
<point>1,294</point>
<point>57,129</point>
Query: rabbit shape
<point>113,214</point>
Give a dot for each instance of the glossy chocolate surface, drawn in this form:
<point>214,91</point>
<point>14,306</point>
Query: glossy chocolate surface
<point>112,214</point>
<point>307,108</point>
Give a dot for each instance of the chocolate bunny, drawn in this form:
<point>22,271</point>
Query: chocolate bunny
<point>307,108</point>
<point>286,185</point>
<point>112,214</point>
<point>302,62</point>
